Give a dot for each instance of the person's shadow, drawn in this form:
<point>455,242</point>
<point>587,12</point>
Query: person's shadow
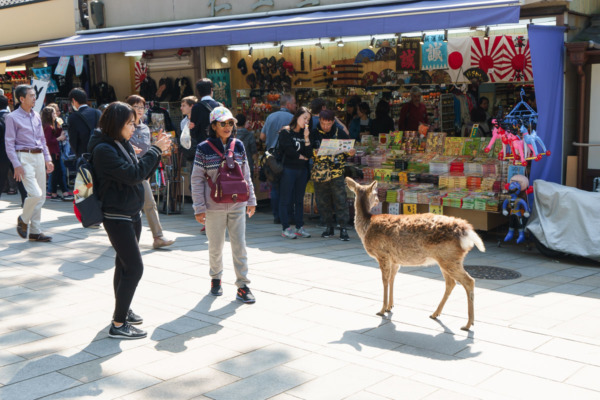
<point>177,343</point>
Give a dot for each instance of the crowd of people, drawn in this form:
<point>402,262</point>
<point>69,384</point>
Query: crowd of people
<point>125,156</point>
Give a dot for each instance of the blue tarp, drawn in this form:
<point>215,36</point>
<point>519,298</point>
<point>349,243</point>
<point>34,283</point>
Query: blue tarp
<point>394,18</point>
<point>546,44</point>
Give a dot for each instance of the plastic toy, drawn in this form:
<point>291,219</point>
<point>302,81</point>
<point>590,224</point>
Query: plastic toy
<point>516,207</point>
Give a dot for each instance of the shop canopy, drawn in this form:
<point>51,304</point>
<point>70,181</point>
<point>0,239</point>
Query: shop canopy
<point>18,54</point>
<point>395,18</point>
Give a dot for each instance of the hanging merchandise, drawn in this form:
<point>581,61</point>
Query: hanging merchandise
<point>518,59</point>
<point>103,93</point>
<point>45,74</point>
<point>364,56</point>
<point>221,83</point>
<point>61,67</point>
<point>181,89</point>
<point>386,53</point>
<point>148,89</point>
<point>140,73</point>
<point>165,89</point>
<point>78,60</point>
<point>434,52</point>
<point>409,56</point>
<point>488,55</point>
<point>459,58</point>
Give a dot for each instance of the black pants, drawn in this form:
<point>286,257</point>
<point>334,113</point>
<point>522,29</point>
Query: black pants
<point>5,166</point>
<point>57,176</point>
<point>124,237</point>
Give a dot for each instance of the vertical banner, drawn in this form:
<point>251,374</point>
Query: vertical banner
<point>547,59</point>
<point>459,58</point>
<point>45,74</point>
<point>221,85</point>
<point>41,88</point>
<point>78,60</point>
<point>434,53</point>
<point>61,67</point>
<point>408,57</point>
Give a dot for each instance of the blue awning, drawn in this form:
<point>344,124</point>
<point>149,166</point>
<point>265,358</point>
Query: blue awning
<point>401,17</point>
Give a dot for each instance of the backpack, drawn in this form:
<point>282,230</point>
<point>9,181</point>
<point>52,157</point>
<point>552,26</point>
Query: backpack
<point>86,205</point>
<point>230,185</point>
<point>271,165</point>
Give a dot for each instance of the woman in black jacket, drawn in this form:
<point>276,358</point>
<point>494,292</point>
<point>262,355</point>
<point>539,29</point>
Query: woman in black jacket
<point>118,179</point>
<point>294,144</point>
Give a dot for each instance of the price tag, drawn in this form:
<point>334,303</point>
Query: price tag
<point>438,210</point>
<point>409,209</point>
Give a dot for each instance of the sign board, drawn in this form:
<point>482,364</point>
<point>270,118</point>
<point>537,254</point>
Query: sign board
<point>40,93</point>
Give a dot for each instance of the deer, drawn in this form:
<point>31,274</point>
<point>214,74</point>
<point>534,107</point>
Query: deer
<point>416,239</point>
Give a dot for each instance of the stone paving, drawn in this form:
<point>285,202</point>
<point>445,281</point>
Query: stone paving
<point>312,334</point>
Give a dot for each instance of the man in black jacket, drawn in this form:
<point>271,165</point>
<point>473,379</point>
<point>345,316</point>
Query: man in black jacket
<point>82,122</point>
<point>199,119</point>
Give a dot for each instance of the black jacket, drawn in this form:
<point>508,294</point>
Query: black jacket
<point>120,181</point>
<point>291,146</point>
<point>3,156</point>
<point>79,132</point>
<point>200,118</point>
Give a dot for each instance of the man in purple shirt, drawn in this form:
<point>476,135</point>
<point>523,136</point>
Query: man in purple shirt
<point>27,151</point>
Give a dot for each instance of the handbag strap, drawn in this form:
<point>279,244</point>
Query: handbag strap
<point>127,155</point>
<point>231,147</point>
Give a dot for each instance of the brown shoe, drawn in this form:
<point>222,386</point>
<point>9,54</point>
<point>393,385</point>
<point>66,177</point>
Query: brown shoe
<point>161,242</point>
<point>21,228</point>
<point>39,237</point>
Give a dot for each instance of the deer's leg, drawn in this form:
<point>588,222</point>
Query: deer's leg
<point>469,284</point>
<point>450,283</point>
<point>393,273</point>
<point>385,278</point>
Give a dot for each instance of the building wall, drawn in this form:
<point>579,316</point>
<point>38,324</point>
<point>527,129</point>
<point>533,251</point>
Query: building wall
<point>587,7</point>
<point>35,22</point>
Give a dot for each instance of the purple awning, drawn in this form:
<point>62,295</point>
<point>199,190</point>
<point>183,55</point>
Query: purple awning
<point>395,18</point>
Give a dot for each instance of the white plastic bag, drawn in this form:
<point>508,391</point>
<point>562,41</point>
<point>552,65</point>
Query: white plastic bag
<point>186,140</point>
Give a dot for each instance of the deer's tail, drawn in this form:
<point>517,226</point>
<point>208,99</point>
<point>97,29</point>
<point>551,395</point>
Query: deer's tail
<point>471,239</point>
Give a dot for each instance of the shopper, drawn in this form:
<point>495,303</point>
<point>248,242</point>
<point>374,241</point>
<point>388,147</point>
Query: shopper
<point>219,217</point>
<point>316,106</point>
<point>186,110</point>
<point>249,141</point>
<point>413,113</point>
<point>4,161</point>
<point>481,116</point>
<point>119,179</point>
<point>26,148</point>
<point>328,177</point>
<point>199,117</point>
<point>351,109</point>
<point>82,121</point>
<point>362,124</point>
<point>294,142</point>
<point>141,141</point>
<point>54,135</point>
<point>270,135</point>
<point>382,123</point>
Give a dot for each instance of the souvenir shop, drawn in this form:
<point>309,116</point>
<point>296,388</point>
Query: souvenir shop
<point>450,165</point>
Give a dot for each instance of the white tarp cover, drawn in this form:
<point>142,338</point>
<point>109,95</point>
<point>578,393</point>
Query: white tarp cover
<point>566,219</point>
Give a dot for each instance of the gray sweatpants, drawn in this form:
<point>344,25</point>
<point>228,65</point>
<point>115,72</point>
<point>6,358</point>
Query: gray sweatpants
<point>217,222</point>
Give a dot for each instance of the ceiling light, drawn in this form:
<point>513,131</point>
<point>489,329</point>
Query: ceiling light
<point>281,49</point>
<point>445,35</point>
<point>224,59</point>
<point>372,44</point>
<point>250,52</point>
<point>487,33</point>
<point>136,53</point>
<point>340,43</point>
<point>423,38</point>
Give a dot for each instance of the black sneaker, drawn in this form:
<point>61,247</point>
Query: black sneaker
<point>133,318</point>
<point>344,235</point>
<point>244,294</point>
<point>215,287</point>
<point>126,331</point>
<point>328,232</point>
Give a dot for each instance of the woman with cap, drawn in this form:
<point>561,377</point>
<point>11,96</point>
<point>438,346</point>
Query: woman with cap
<point>119,177</point>
<point>221,217</point>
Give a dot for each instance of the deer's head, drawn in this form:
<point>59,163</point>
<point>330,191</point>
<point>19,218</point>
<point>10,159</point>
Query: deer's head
<point>366,193</point>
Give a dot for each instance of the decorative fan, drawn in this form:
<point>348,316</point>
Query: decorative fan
<point>364,56</point>
<point>387,75</point>
<point>385,54</point>
<point>141,73</point>
<point>369,79</point>
<point>440,76</point>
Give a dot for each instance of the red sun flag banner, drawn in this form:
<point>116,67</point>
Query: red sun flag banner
<point>140,72</point>
<point>489,55</point>
<point>519,59</point>
<point>459,58</point>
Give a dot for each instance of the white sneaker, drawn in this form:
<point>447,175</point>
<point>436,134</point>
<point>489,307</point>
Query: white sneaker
<point>288,233</point>
<point>301,232</point>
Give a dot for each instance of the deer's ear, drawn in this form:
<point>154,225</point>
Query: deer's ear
<point>351,184</point>
<point>373,186</point>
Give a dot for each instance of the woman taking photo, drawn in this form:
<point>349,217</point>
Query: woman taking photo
<point>54,134</point>
<point>294,144</point>
<point>119,179</point>
<point>141,141</point>
<point>221,217</point>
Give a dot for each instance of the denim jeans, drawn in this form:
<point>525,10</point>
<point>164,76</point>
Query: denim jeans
<point>291,190</point>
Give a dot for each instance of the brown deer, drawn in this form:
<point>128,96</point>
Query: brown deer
<point>418,239</point>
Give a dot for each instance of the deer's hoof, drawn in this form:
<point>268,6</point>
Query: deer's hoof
<point>465,328</point>
<point>433,316</point>
<point>381,313</point>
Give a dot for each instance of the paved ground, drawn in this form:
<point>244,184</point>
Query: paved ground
<point>312,333</point>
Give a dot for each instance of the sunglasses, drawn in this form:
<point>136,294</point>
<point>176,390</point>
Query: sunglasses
<point>226,123</point>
